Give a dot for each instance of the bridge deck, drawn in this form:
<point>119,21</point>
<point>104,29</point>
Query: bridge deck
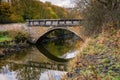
<point>54,22</point>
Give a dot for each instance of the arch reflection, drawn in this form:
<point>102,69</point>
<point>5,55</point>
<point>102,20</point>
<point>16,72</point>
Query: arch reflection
<point>59,45</point>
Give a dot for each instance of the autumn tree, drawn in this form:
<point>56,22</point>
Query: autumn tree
<point>112,9</point>
<point>5,12</point>
<point>61,12</point>
<point>99,14</point>
<point>21,10</point>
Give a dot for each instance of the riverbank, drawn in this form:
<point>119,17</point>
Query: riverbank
<point>98,59</point>
<point>11,49</point>
<point>12,41</point>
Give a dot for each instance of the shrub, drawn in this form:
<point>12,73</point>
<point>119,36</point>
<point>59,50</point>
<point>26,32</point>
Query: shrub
<point>5,12</point>
<point>99,15</point>
<point>20,37</point>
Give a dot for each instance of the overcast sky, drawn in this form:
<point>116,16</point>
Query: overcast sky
<point>63,3</point>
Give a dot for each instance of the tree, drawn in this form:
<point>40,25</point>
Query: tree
<point>99,14</point>
<point>5,12</point>
<point>60,12</point>
<point>112,11</point>
<point>0,1</point>
<point>20,10</point>
<point>110,4</point>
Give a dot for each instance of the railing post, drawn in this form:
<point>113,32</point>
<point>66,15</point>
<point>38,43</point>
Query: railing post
<point>32,23</point>
<point>58,22</point>
<point>39,22</point>
<point>72,21</point>
<point>65,22</point>
<point>44,22</point>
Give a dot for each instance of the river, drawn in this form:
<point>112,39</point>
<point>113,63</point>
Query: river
<point>44,61</point>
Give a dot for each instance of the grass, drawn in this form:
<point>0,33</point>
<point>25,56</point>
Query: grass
<point>5,38</point>
<point>99,58</point>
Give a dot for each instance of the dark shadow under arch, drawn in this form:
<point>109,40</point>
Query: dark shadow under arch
<point>49,55</point>
<point>49,31</point>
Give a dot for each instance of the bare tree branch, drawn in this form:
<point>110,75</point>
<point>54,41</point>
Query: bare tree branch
<point>116,4</point>
<point>110,4</point>
<point>102,2</point>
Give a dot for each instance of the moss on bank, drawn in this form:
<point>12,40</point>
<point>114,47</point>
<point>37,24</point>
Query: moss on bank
<point>5,38</point>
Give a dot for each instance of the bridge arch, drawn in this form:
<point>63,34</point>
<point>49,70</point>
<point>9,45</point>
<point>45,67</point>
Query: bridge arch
<point>58,28</point>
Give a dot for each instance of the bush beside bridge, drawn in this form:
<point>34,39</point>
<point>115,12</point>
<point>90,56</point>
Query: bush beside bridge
<point>12,41</point>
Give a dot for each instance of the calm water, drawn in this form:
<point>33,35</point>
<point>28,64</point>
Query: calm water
<point>45,61</point>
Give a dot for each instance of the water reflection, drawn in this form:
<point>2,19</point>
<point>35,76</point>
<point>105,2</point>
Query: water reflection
<point>29,73</point>
<point>57,75</point>
<point>30,65</point>
<point>59,43</point>
<point>46,62</point>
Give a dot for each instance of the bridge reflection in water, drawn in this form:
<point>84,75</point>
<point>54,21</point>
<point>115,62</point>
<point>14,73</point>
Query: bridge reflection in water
<point>59,45</point>
<point>43,65</point>
<point>30,64</point>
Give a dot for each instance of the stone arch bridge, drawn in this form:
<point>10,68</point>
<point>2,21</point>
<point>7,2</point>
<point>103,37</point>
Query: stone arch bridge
<point>37,28</point>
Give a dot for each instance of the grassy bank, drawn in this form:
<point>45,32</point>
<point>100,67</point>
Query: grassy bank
<point>17,36</point>
<point>11,42</point>
<point>5,38</point>
<point>99,58</point>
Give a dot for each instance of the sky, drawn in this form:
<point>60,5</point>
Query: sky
<point>62,3</point>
